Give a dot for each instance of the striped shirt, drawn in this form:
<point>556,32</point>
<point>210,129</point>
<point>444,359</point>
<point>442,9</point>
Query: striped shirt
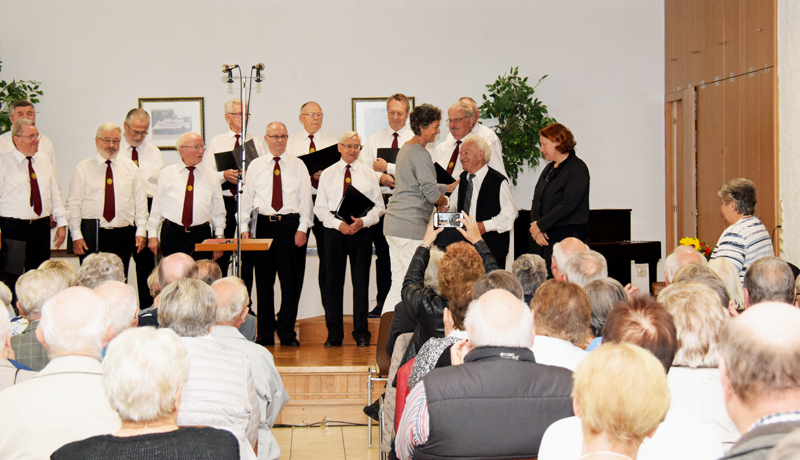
<point>743,243</point>
<point>414,427</point>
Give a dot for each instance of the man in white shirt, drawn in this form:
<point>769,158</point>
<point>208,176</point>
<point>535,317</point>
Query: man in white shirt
<point>188,202</point>
<point>106,203</point>
<point>29,197</point>
<point>343,240</point>
<point>483,193</point>
<point>397,110</point>
<point>150,162</point>
<point>279,186</point>
<point>23,110</point>
<point>463,120</point>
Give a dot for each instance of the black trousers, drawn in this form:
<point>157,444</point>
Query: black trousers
<point>286,260</point>
<point>176,238</point>
<point>36,235</point>
<point>319,234</point>
<point>338,248</point>
<point>383,262</point>
<point>145,263</point>
<point>231,208</point>
<point>120,241</point>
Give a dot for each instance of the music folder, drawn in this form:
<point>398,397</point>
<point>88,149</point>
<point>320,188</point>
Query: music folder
<point>12,256</point>
<point>388,154</point>
<point>442,177</point>
<point>321,159</point>
<point>353,203</point>
<point>232,159</point>
<point>90,228</point>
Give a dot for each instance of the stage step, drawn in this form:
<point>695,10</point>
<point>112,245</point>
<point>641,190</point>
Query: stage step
<point>313,330</point>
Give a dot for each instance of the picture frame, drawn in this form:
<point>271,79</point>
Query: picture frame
<point>172,116</point>
<point>369,114</point>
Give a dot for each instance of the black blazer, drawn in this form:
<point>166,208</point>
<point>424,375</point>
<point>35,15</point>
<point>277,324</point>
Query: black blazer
<point>561,196</point>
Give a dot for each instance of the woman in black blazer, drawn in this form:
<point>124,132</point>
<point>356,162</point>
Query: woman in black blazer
<point>560,207</point>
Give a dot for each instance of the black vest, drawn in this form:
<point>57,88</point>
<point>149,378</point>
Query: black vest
<point>487,206</point>
<point>496,405</point>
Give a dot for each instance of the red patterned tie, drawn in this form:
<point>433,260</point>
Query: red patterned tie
<point>188,199</point>
<point>347,179</point>
<point>311,147</point>
<point>108,202</point>
<point>135,156</point>
<point>237,144</point>
<point>452,164</point>
<point>36,197</point>
<point>394,142</point>
<point>277,187</point>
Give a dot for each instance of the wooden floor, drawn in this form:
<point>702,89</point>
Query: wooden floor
<point>330,443</point>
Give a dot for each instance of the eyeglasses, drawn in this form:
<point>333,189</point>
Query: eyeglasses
<point>237,114</point>
<point>135,133</point>
<point>352,146</point>
<point>450,121</point>
<point>397,114</point>
<point>110,141</point>
<point>282,137</point>
<point>31,137</point>
<point>193,147</point>
<point>313,114</point>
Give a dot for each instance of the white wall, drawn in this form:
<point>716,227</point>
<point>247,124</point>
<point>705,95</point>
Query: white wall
<point>604,60</point>
<point>789,119</point>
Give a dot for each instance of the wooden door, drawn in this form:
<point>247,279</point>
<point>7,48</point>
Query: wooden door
<point>681,198</point>
<point>710,160</point>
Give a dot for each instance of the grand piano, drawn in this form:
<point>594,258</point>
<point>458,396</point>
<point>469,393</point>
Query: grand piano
<point>610,235</point>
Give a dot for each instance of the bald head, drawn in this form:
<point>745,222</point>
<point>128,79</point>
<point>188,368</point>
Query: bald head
<point>174,267</point>
<point>122,302</point>
<point>561,252</point>
<point>681,257</point>
<point>498,318</point>
<point>75,321</point>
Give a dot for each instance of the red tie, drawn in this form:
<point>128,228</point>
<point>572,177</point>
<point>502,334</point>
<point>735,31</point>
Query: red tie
<point>277,187</point>
<point>347,178</point>
<point>135,156</point>
<point>237,144</point>
<point>188,199</point>
<point>36,197</point>
<point>394,142</point>
<point>453,158</point>
<point>108,205</point>
<point>311,147</point>
<point>235,188</point>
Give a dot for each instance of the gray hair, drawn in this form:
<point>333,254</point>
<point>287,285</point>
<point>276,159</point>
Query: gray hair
<point>188,307</point>
<point>184,137</point>
<point>742,192</point>
<point>64,268</point>
<point>603,294</point>
<point>531,270</point>
<point>232,298</point>
<point>431,276</point>
<point>729,275</point>
<point>469,112</point>
<point>479,142</point>
<point>585,266</point>
<point>16,128</point>
<point>682,255</point>
<point>108,127</point>
<point>704,275</point>
<point>137,114</point>
<point>229,105</point>
<point>122,301</point>
<point>499,319</point>
<point>36,287</point>
<point>100,267</point>
<point>208,271</point>
<point>5,325</point>
<point>498,279</point>
<point>142,372</point>
<point>75,321</point>
<point>5,296</point>
<point>769,278</point>
<point>347,135</point>
<point>558,254</point>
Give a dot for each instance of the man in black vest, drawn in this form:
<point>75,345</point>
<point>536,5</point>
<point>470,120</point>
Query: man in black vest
<point>495,401</point>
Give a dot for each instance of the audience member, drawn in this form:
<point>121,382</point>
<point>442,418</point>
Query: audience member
<point>66,269</point>
<point>497,279</point>
<point>208,271</point>
<point>100,267</point>
<point>585,266</point>
<point>561,252</point>
<point>759,366</point>
<point>189,307</point>
<point>482,406</point>
<point>6,298</point>
<point>171,268</point>
<point>729,275</point>
<point>563,316</point>
<point>66,401</point>
<point>704,275</point>
<point>531,271</point>
<point>768,279</point>
<point>788,448</point>
<point>11,372</point>
<point>122,302</point>
<point>143,374</point>
<point>603,294</point>
<point>232,300</point>
<point>682,255</point>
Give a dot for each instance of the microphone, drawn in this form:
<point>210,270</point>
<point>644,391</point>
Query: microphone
<point>259,67</point>
<point>227,68</point>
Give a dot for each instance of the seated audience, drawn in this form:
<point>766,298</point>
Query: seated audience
<point>189,307</point>
<point>33,289</point>
<point>171,268</point>
<point>232,300</point>
<point>143,374</point>
<point>67,270</point>
<point>123,304</point>
<point>603,294</point>
<point>768,279</point>
<point>727,272</point>
<point>497,279</point>
<point>561,252</point>
<point>208,271</point>
<point>100,267</point>
<point>531,271</point>
<point>585,266</point>
<point>681,256</point>
<point>496,400</point>
<point>6,298</point>
<point>705,276</point>
<point>694,377</point>
<point>646,323</point>
<point>66,401</point>
<point>760,374</point>
<point>562,315</point>
<point>11,372</point>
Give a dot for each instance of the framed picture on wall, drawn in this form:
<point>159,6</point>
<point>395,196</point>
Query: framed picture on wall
<point>172,116</point>
<point>369,115</point>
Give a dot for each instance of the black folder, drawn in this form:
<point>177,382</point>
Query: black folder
<point>90,228</point>
<point>321,159</point>
<point>353,203</point>
<point>232,159</point>
<point>441,175</point>
<point>12,256</point>
<point>388,154</point>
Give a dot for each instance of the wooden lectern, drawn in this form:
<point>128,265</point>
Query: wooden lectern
<point>231,245</point>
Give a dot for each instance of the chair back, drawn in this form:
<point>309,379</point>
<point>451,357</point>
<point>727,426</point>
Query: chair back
<point>382,359</point>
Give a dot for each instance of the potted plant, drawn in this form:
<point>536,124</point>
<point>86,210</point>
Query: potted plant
<point>13,91</point>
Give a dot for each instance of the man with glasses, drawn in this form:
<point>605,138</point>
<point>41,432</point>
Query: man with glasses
<point>148,158</point>
<point>188,201</point>
<point>279,186</point>
<point>106,202</point>
<point>343,240</point>
<point>23,110</point>
<point>29,196</point>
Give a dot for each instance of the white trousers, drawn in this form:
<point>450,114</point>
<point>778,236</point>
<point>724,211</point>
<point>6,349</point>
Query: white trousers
<point>401,250</point>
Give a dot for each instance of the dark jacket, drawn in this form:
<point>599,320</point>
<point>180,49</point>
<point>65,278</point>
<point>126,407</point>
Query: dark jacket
<point>561,197</point>
<point>756,443</point>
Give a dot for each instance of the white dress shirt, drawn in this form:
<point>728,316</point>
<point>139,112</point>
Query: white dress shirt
<point>298,143</point>
<point>443,151</point>
<point>224,143</point>
<point>295,183</point>
<point>15,188</point>
<point>500,223</point>
<point>331,186</point>
<point>151,162</point>
<point>86,197</point>
<point>379,140</point>
<point>557,352</point>
<point>46,149</point>
<point>168,201</point>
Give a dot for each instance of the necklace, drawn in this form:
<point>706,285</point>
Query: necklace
<point>605,452</point>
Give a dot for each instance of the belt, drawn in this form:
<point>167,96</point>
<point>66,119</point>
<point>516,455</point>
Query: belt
<point>187,230</point>
<point>279,217</point>
<point>26,221</point>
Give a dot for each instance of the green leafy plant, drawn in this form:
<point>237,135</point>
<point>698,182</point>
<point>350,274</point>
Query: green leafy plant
<point>13,91</point>
<point>519,117</point>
